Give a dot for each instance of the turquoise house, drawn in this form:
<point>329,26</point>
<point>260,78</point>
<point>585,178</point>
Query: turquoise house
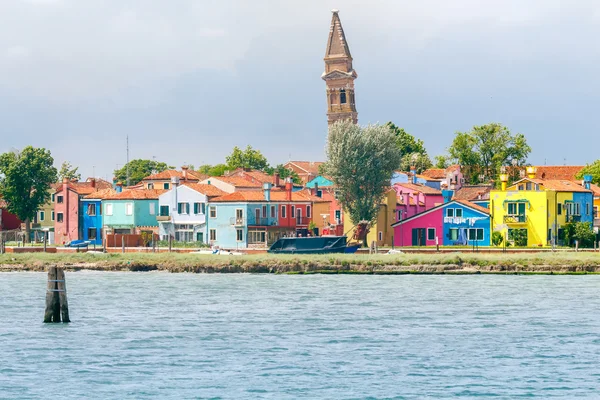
<point>131,211</point>
<point>319,181</point>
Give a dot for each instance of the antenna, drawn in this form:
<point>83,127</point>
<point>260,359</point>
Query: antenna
<point>127,160</point>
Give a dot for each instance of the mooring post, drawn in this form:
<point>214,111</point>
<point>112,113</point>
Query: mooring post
<point>170,243</point>
<point>45,240</point>
<point>576,246</point>
<point>123,244</point>
<point>56,297</point>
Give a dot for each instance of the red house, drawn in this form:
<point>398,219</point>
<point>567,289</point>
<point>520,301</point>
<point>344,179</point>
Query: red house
<point>8,221</point>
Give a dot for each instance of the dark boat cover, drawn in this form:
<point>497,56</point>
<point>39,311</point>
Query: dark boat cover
<point>309,245</point>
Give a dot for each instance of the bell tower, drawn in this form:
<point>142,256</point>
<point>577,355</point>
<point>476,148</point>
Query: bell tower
<point>339,75</point>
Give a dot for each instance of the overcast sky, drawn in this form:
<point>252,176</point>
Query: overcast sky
<point>189,79</point>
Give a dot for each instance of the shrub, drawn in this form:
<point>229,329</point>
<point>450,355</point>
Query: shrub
<point>497,238</point>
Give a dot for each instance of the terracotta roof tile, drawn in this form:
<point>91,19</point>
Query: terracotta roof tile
<point>474,206</point>
<point>85,188</point>
<point>434,173</point>
<point>101,194</point>
<point>146,194</point>
<point>171,173</point>
<point>473,192</point>
<point>236,181</point>
<point>567,172</point>
<point>208,190</point>
<point>259,196</point>
<point>426,190</point>
<point>556,185</point>
<point>310,167</point>
<point>596,190</point>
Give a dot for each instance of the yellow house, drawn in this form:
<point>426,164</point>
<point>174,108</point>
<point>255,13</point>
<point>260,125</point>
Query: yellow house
<point>533,212</point>
<point>596,190</point>
<point>381,231</point>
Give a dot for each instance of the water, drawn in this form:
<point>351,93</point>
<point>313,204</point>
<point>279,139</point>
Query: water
<point>180,336</point>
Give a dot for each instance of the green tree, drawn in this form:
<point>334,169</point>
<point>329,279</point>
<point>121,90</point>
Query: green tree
<point>441,162</point>
<point>213,170</point>
<point>592,169</point>
<point>138,170</point>
<point>361,162</point>
<point>581,232</point>
<point>485,149</point>
<point>248,158</point>
<point>284,173</point>
<point>68,171</point>
<point>412,150</point>
<point>25,179</point>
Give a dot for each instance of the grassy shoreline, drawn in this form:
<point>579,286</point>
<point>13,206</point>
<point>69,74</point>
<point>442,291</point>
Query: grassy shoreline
<point>454,263</point>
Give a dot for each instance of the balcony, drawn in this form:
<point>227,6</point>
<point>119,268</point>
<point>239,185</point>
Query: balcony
<point>597,222</point>
<point>235,221</point>
<point>302,221</point>
<point>573,218</point>
<point>515,219</point>
<point>163,218</point>
<point>262,221</point>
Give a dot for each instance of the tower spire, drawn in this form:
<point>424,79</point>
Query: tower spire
<point>339,74</point>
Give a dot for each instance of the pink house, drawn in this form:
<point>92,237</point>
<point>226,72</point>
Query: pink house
<point>418,231</point>
<point>414,198</point>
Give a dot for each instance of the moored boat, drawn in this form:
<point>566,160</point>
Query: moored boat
<point>311,245</point>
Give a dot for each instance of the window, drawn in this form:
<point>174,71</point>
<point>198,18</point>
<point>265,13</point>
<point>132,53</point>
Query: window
<point>151,186</point>
<point>42,215</point>
<point>308,212</point>
<point>549,238</point>
<point>587,208</point>
<point>53,197</point>
<point>92,233</point>
<point>528,186</point>
<point>212,210</point>
<point>479,234</point>
<point>91,209</point>
<point>128,208</point>
<point>458,212</point>
<point>152,209</point>
<point>109,209</point>
<point>319,193</point>
<point>272,211</point>
<point>561,234</point>
<point>257,237</point>
<point>430,233</point>
<point>453,234</point>
<point>472,234</point>
<point>212,233</point>
<point>264,211</point>
<point>516,208</point>
<point>283,209</point>
<point>166,186</point>
<point>59,199</point>
<point>343,96</point>
<point>559,210</point>
<point>198,208</point>
<point>239,235</point>
<point>596,212</point>
<point>338,216</point>
<point>380,235</point>
<point>239,214</point>
<point>59,217</point>
<point>183,208</point>
<point>52,215</point>
<point>293,210</point>
<point>520,187</point>
<point>164,211</point>
<point>450,212</point>
<point>203,208</point>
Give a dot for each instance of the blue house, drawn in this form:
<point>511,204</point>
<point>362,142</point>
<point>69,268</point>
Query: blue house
<point>319,181</point>
<point>90,211</point>
<point>466,223</point>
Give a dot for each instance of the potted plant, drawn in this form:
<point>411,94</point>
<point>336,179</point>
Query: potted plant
<point>312,227</point>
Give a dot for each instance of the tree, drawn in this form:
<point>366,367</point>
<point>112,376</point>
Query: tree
<point>441,162</point>
<point>25,179</point>
<point>139,169</point>
<point>68,171</point>
<point>213,170</point>
<point>592,169</point>
<point>248,158</point>
<point>482,151</point>
<point>284,173</point>
<point>412,150</point>
<point>361,162</point>
<point>582,232</point>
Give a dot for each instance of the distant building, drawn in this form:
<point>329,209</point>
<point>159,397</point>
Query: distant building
<point>164,180</point>
<point>306,170</point>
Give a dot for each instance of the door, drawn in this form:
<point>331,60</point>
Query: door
<point>257,216</point>
<point>200,237</point>
<point>298,216</point>
<point>418,237</point>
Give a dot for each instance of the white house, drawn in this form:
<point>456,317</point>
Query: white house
<point>183,209</point>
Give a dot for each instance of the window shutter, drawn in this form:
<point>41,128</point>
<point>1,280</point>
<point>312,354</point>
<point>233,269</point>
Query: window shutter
<point>203,208</point>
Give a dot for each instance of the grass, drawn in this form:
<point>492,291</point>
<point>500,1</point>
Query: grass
<point>447,263</point>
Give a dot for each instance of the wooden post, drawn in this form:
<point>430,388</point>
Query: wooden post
<point>45,240</point>
<point>122,243</point>
<point>56,297</point>
<point>170,242</point>
<point>576,246</point>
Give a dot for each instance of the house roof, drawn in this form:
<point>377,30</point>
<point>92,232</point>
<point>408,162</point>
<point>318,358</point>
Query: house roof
<point>473,192</point>
<point>141,194</point>
<point>596,189</point>
<point>468,204</point>
<point>208,190</point>
<point>560,172</point>
<point>101,194</point>
<point>555,184</point>
<point>171,173</point>
<point>252,175</point>
<point>309,167</point>
<point>259,196</point>
<point>426,190</point>
<point>434,173</point>
<point>85,188</point>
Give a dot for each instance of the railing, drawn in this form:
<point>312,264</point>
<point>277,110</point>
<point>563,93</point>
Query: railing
<point>573,218</point>
<point>262,221</point>
<point>515,219</point>
<point>237,221</point>
<point>163,218</point>
<point>302,221</point>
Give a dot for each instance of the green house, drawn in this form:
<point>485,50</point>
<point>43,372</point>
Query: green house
<point>131,211</point>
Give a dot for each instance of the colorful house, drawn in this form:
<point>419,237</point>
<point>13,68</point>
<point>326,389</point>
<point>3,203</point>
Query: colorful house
<point>253,219</point>
<point>457,222</point>
<point>182,212</point>
<point>478,194</point>
<point>381,231</point>
<point>131,211</point>
<point>534,211</point>
<point>306,170</point>
<point>8,221</point>
<point>165,179</point>
<point>320,181</point>
<point>414,198</point>
<point>91,212</point>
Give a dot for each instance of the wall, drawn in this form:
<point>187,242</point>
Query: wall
<point>67,230</point>
<point>385,218</point>
<point>118,219</point>
<point>8,221</point>
<point>433,219</point>
<point>91,221</point>
<point>226,232</point>
<point>467,213</point>
<point>142,215</point>
<point>537,224</point>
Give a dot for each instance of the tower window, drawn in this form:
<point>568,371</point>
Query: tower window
<point>332,98</point>
<point>343,96</point>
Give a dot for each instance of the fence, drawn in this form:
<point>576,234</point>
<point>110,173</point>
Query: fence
<point>129,240</point>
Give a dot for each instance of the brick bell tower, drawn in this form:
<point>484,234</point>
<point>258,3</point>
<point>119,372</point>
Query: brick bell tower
<point>339,75</point>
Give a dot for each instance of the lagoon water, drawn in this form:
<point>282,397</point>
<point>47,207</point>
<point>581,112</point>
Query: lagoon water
<point>180,336</point>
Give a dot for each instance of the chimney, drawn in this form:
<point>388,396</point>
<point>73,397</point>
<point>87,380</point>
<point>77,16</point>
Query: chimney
<point>119,187</point>
<point>413,174</point>
<point>447,195</point>
<point>267,191</point>
<point>184,172</point>
<point>587,182</point>
<point>504,180</point>
<point>93,183</point>
<point>288,189</point>
<point>531,172</point>
<point>315,190</point>
<point>276,179</point>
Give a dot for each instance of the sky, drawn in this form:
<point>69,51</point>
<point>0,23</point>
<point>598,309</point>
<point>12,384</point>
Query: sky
<point>187,80</point>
